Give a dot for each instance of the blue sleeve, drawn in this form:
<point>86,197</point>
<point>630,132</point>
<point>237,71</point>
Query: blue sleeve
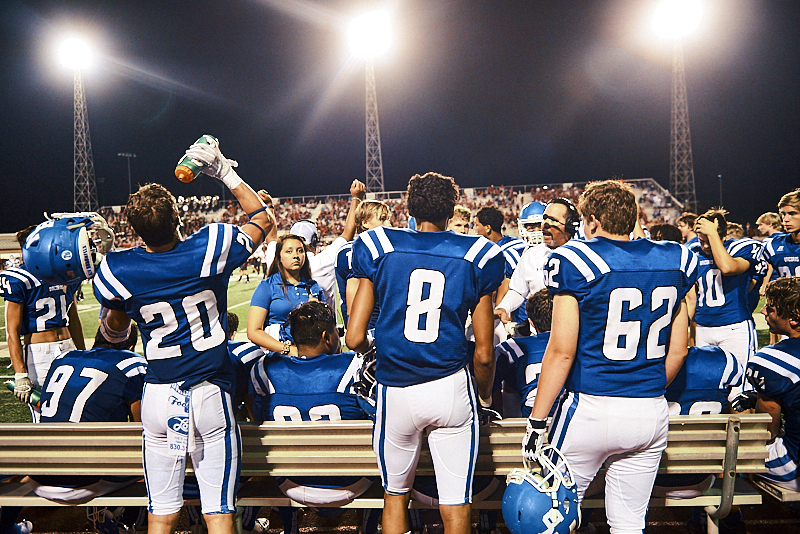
<point>133,388</point>
<point>363,262</point>
<point>115,303</point>
<point>491,269</point>
<point>343,269</point>
<point>13,290</point>
<point>748,249</point>
<point>766,381</point>
<point>561,276</point>
<point>317,292</point>
<point>262,296</point>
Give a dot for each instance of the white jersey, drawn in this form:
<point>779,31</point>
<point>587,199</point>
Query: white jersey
<point>528,277</point>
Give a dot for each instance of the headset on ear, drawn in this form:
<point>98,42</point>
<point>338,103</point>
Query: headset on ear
<point>573,221</point>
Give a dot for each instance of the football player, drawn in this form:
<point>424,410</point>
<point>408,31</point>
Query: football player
<point>43,312</point>
<point>426,281</point>
<point>724,276</point>
<point>315,385</point>
<point>773,371</point>
<point>685,224</point>
<point>782,250</point>
<point>559,224</point>
<point>176,291</point>
<point>460,222</point>
<point>619,336</point>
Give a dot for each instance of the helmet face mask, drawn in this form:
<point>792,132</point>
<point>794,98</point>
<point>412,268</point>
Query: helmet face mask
<point>542,502</point>
<point>531,213</point>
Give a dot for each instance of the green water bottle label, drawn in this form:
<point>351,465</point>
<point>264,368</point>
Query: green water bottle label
<point>188,168</point>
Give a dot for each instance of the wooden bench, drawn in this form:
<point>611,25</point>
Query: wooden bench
<point>779,492</point>
<point>716,444</point>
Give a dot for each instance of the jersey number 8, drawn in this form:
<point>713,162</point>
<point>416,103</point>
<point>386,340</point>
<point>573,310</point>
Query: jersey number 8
<point>420,283</point>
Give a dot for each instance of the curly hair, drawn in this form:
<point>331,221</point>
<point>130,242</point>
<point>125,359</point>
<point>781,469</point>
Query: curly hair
<point>665,232</point>
<point>492,217</point>
<point>308,321</point>
<point>784,295</point>
<point>152,213</point>
<point>539,308</point>
<point>367,209</point>
<point>431,197</point>
<point>277,266</point>
<point>717,214</point>
<point>612,203</point>
<point>462,213</point>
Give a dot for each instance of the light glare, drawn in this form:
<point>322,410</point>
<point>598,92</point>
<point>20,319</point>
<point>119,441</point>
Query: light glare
<point>75,54</point>
<point>369,34</point>
<point>674,19</point>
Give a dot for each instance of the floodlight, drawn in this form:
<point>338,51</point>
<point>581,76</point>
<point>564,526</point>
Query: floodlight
<point>674,19</point>
<point>370,34</point>
<point>75,54</point>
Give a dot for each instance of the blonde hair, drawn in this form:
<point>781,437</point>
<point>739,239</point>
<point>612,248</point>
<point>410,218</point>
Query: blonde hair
<point>460,212</point>
<point>770,218</point>
<point>367,209</point>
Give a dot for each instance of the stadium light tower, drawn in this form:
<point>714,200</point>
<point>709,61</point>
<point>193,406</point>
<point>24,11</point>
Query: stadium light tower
<point>674,19</point>
<point>369,36</point>
<point>75,54</point>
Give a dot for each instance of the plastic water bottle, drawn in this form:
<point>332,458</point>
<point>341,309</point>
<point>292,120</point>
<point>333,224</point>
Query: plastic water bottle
<point>188,168</point>
<point>36,396</point>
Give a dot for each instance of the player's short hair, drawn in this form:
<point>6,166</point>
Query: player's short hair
<point>612,203</point>
<point>367,209</point>
<point>539,308</point>
<point>233,323</point>
<point>277,266</point>
<point>665,232</point>
<point>687,218</point>
<point>431,197</point>
<point>308,321</point>
<point>770,218</point>
<point>128,344</point>
<point>461,212</point>
<point>491,216</point>
<point>784,295</point>
<point>735,231</point>
<point>790,199</point>
<point>23,234</point>
<point>152,213</point>
<point>717,214</point>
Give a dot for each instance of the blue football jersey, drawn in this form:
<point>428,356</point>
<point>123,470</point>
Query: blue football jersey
<point>519,361</point>
<point>319,388</point>
<point>783,254</point>
<point>704,381</point>
<point>344,272</point>
<point>774,372</point>
<point>243,355</point>
<point>179,300</point>
<point>512,249</point>
<point>627,292</point>
<point>425,284</point>
<point>722,300</point>
<point>92,385</point>
<point>44,306</point>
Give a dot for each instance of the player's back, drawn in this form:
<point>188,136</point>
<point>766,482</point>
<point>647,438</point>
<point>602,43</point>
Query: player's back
<point>627,292</point>
<point>722,299</point>
<point>94,385</point>
<point>520,359</point>
<point>426,283</point>
<point>44,306</point>
<point>783,254</point>
<point>306,389</point>
<point>178,299</point>
<point>704,381</point>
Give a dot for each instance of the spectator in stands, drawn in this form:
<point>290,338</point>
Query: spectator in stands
<point>666,232</point>
<point>686,225</point>
<point>288,284</point>
<point>461,220</point>
<point>315,385</point>
<point>768,223</point>
<point>370,214</point>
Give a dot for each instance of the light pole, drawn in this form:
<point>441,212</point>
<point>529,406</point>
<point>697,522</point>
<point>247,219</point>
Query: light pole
<point>719,176</point>
<point>75,54</point>
<point>369,36</point>
<point>673,20</point>
<point>128,156</point>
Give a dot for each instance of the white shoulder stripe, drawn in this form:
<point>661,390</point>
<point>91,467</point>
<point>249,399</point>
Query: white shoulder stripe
<point>130,361</point>
<point>226,247</point>
<point>768,246</point>
<point>35,281</point>
<point>572,257</point>
<point>739,244</point>
<point>211,246</point>
<point>367,240</point>
<point>493,251</point>
<point>593,256</point>
<point>136,370</point>
<point>258,376</point>
<point>784,357</point>
<point>476,247</point>
<point>384,240</point>
<point>97,282</point>
<point>355,365</point>
<point>772,366</point>
<point>254,354</point>
<point>24,279</point>
<point>112,280</point>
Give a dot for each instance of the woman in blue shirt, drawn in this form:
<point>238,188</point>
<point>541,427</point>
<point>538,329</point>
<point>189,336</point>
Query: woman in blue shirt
<point>288,285</point>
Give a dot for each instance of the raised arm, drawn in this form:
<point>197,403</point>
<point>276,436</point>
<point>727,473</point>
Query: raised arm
<point>727,264</point>
<point>357,193</point>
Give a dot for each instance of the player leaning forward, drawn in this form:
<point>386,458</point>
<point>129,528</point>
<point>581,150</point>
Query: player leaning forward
<point>176,291</point>
<point>426,281</point>
<point>618,338</point>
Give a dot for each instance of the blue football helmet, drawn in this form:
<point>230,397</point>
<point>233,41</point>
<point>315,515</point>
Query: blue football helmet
<point>64,251</point>
<point>535,503</point>
<point>532,213</point>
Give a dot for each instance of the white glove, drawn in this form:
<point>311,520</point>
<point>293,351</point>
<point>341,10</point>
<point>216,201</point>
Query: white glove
<point>534,440</point>
<point>215,164</point>
<point>23,386</point>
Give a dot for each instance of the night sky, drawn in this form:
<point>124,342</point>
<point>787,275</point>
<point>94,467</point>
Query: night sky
<point>494,92</point>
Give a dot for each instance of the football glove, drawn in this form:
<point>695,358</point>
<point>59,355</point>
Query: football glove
<point>534,440</point>
<point>486,416</point>
<point>746,400</point>
<point>23,386</point>
<point>215,164</point>
<point>364,382</point>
